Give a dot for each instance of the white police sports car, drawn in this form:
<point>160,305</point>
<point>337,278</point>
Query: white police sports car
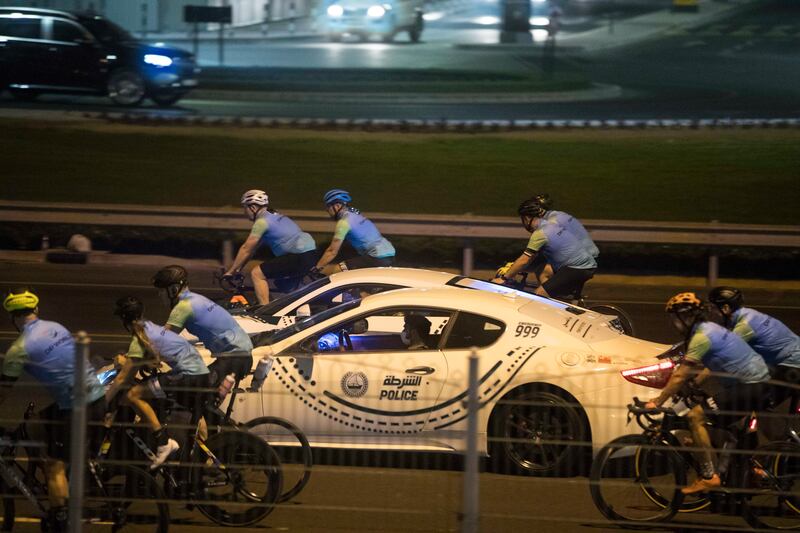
<point>550,376</point>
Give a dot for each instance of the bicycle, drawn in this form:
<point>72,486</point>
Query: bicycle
<point>232,477</point>
<point>637,478</point>
<point>117,495</point>
<point>622,322</point>
<point>235,285</point>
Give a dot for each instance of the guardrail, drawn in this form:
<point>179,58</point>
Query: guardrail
<point>712,235</point>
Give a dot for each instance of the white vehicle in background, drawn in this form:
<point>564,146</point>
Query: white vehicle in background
<point>371,18</point>
<point>550,376</point>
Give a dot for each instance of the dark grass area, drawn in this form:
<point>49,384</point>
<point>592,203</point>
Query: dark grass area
<point>566,76</point>
<point>741,176</point>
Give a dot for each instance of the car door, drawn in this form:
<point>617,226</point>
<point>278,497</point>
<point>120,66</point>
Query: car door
<point>495,368</point>
<point>362,383</point>
<point>22,50</point>
<point>74,55</point>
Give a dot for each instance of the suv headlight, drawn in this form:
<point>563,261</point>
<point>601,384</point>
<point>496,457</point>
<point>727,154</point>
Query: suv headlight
<point>376,12</point>
<point>157,60</point>
<point>335,10</point>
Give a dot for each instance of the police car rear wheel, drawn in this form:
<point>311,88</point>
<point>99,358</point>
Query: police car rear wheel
<point>537,433</point>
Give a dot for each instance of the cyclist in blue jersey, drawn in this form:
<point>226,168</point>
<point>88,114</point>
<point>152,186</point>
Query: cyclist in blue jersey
<point>295,250</point>
<point>151,344</point>
<point>46,350</point>
<point>571,259</point>
<point>213,325</point>
<point>768,336</point>
<point>741,377</point>
<point>372,247</point>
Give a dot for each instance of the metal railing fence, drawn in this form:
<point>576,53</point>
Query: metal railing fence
<point>711,236</point>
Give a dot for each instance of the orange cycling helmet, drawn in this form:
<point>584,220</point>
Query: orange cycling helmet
<point>684,301</point>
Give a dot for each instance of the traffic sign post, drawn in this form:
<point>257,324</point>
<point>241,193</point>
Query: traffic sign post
<point>205,14</point>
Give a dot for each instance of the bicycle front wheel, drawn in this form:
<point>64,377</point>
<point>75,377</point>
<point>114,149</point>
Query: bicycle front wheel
<point>246,484</point>
<point>628,471</point>
<point>130,499</point>
<point>771,486</point>
<point>286,437</point>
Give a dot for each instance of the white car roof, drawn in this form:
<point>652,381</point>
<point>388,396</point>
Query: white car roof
<point>418,276</point>
<point>447,297</point>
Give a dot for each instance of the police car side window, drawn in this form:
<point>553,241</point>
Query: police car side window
<point>473,330</point>
<point>21,27</point>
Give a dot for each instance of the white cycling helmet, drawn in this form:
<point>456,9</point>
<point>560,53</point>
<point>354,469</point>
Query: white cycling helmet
<point>255,197</point>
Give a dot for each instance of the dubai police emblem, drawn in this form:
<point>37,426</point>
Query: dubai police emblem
<point>354,384</point>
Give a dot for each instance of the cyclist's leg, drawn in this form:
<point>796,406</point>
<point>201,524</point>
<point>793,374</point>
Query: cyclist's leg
<point>56,426</point>
<point>260,284</point>
<point>285,266</point>
<point>139,397</point>
<point>566,282</point>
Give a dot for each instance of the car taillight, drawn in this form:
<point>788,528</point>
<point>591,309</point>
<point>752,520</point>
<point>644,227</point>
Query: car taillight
<point>655,376</point>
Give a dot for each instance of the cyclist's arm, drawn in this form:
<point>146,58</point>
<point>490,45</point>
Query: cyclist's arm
<point>179,315</point>
<point>743,330</point>
<point>249,247</point>
<point>129,364</point>
<point>516,267</point>
<point>13,366</point>
<point>691,366</point>
<point>535,244</point>
<point>339,234</point>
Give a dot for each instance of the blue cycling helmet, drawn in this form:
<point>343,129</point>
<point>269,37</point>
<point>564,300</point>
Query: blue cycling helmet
<point>336,195</point>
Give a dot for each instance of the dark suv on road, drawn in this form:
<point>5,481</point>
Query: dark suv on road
<point>43,50</point>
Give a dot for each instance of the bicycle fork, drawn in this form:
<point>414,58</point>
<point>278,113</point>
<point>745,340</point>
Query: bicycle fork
<point>13,480</point>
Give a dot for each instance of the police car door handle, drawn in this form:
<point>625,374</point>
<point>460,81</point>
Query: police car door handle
<point>420,370</point>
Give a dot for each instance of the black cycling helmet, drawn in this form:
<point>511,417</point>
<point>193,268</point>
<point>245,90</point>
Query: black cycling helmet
<point>129,308</point>
<point>534,207</point>
<point>170,275</point>
<point>720,296</point>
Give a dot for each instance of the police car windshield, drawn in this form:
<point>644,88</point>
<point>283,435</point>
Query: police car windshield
<point>271,337</point>
<point>106,31</point>
<point>470,283</point>
<point>276,305</point>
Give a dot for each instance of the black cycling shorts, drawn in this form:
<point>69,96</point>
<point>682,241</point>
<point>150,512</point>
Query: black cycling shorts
<point>568,282</point>
<point>225,364</point>
<point>190,392</point>
<point>289,265</point>
<point>57,426</point>
<point>366,261</point>
<point>731,404</point>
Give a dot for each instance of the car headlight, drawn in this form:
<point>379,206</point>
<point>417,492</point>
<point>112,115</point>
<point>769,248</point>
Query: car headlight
<point>376,12</point>
<point>335,10</point>
<point>157,60</point>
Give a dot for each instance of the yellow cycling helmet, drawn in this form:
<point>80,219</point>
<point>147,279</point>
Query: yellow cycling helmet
<point>20,300</point>
<point>684,301</point>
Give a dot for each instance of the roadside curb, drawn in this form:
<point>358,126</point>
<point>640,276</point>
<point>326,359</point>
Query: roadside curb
<point>453,126</point>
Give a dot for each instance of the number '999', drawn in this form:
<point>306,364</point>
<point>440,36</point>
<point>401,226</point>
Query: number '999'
<point>526,330</point>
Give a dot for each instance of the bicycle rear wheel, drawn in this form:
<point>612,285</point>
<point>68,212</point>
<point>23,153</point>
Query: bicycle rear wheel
<point>624,468</point>
<point>246,488</point>
<point>624,323</point>
<point>130,499</point>
<point>284,435</point>
<point>772,487</point>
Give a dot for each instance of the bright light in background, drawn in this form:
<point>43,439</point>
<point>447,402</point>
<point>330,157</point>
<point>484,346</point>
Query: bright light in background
<point>376,12</point>
<point>538,1</point>
<point>430,17</point>
<point>487,20</point>
<point>539,21</point>
<point>335,10</point>
<point>539,36</point>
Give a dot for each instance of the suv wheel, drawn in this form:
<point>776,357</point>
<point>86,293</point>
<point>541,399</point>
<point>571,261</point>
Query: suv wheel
<point>126,88</point>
